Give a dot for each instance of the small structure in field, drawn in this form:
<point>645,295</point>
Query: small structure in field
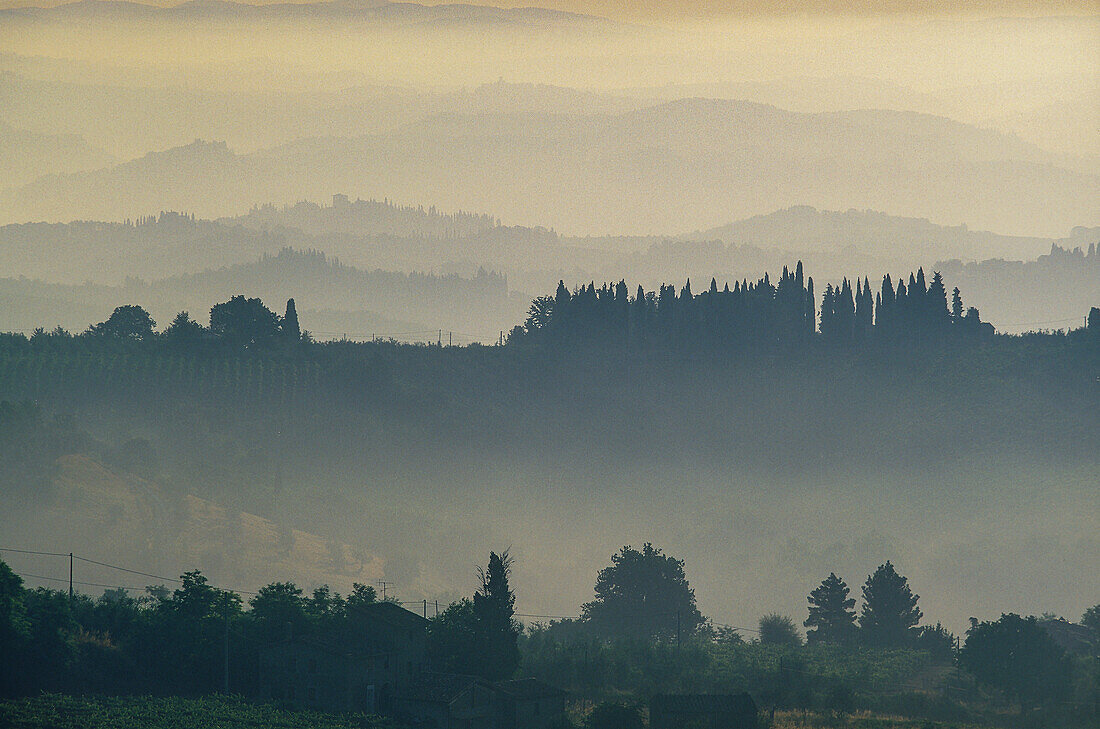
<point>527,703</point>
<point>702,711</point>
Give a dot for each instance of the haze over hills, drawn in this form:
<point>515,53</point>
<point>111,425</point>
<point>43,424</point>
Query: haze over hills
<point>379,12</point>
<point>73,274</point>
<point>334,299</point>
<point>685,164</point>
<point>867,232</point>
<point>407,171</point>
<point>26,155</point>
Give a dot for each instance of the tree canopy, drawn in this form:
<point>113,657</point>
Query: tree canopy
<point>643,594</point>
<point>126,322</point>
<point>1019,657</point>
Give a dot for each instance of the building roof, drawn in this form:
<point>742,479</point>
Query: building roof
<point>440,688</point>
<point>394,614</point>
<point>529,688</point>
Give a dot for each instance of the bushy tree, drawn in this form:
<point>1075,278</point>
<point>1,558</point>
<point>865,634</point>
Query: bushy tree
<point>832,617</point>
<point>14,628</point>
<point>643,594</point>
<point>776,629</point>
<point>243,322</point>
<point>1091,619</point>
<point>279,611</point>
<point>452,638</point>
<point>1018,656</point>
<point>126,322</point>
<point>184,330</point>
<point>890,609</point>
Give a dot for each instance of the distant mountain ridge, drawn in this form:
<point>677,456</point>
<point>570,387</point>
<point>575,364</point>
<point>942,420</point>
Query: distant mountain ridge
<point>381,12</point>
<point>806,229</point>
<point>332,298</point>
<point>683,164</point>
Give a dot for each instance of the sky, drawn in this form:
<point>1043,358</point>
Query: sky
<point>671,10</point>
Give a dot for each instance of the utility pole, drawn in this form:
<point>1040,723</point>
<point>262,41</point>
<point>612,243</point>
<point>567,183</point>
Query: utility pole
<point>383,584</point>
<point>437,608</point>
<point>70,578</point>
<point>425,609</point>
<point>450,339</point>
<point>225,595</point>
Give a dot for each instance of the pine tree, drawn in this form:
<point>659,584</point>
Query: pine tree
<point>890,609</point>
<point>831,619</point>
<point>936,301</point>
<point>956,306</point>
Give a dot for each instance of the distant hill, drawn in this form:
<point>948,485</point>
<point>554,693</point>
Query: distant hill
<point>25,155</point>
<point>375,12</point>
<point>146,520</point>
<point>332,299</point>
<point>365,217</point>
<point>687,164</point>
<point>1054,291</point>
<point>866,232</point>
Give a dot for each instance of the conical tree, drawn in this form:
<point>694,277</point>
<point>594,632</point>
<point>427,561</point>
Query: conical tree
<point>890,609</point>
<point>291,331</point>
<point>496,630</point>
<point>832,619</point>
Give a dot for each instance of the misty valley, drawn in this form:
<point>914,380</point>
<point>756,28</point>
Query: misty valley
<point>599,365</point>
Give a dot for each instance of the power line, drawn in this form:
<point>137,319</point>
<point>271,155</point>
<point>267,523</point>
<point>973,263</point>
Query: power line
<point>126,569</point>
<point>29,551</point>
<point>65,580</point>
<point>113,567</point>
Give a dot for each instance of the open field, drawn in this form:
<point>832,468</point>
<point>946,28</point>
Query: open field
<point>56,711</point>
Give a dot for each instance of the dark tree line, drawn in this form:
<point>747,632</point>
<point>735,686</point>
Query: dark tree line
<point>750,313</point>
<point>240,322</point>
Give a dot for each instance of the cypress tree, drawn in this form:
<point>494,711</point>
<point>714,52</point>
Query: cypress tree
<point>496,631</point>
<point>291,331</point>
<point>811,314</point>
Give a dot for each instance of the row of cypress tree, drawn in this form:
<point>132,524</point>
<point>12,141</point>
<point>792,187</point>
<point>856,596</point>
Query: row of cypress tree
<point>749,313</point>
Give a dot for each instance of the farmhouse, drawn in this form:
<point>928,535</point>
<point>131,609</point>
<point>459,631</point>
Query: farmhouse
<point>387,650</point>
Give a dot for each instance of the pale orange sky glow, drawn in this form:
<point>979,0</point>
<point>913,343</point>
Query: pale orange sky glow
<point>689,10</point>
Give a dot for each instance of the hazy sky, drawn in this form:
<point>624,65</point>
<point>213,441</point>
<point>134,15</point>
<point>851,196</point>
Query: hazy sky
<point>639,10</point>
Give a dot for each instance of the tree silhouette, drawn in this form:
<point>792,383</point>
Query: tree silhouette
<point>183,330</point>
<point>290,329</point>
<point>643,595</point>
<point>890,609</point>
<point>126,322</point>
<point>496,630</point>
<point>831,619</point>
<point>243,322</point>
<point>776,629</point>
<point>1019,657</point>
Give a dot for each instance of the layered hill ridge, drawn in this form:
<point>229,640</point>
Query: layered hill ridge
<point>685,164</point>
<point>148,522</point>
